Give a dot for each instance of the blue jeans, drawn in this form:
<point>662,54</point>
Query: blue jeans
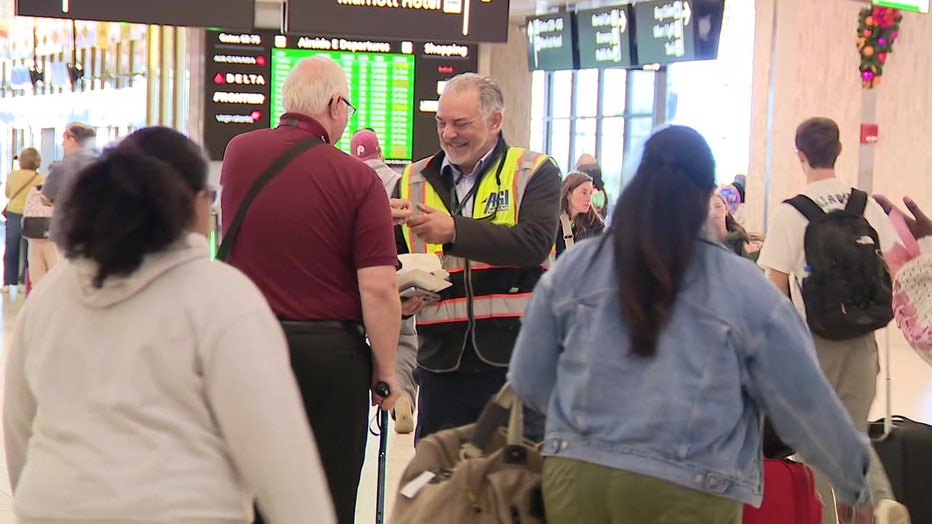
<point>14,237</point>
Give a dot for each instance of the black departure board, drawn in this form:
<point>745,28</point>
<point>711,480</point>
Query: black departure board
<point>237,86</point>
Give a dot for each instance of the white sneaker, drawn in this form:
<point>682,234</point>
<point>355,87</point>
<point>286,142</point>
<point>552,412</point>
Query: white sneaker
<point>890,512</point>
<point>404,416</point>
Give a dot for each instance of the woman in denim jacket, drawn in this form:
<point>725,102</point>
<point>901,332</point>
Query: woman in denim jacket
<point>656,355</point>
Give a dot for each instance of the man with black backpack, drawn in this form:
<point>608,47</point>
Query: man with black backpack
<point>824,250</point>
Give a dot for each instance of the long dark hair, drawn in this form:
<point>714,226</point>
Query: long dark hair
<point>656,222</point>
<point>131,202</point>
<point>584,221</point>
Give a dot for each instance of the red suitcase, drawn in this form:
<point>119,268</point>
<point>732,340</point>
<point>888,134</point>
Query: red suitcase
<point>790,496</point>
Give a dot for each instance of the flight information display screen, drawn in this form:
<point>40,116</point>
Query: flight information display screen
<point>381,88</point>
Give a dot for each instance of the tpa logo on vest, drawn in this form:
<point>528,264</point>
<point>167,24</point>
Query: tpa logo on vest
<point>500,201</point>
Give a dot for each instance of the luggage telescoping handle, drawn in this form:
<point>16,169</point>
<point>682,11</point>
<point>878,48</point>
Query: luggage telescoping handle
<point>888,416</point>
<point>383,390</point>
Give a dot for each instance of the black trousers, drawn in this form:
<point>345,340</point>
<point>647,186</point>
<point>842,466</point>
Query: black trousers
<point>450,400</point>
<point>333,368</point>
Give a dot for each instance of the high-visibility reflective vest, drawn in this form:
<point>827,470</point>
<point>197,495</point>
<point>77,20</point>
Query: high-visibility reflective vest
<point>480,291</point>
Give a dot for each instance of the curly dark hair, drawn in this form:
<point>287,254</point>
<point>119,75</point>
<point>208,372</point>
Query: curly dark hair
<point>136,199</point>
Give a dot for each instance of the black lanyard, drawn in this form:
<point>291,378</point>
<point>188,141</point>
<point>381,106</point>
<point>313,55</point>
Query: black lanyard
<point>474,190</point>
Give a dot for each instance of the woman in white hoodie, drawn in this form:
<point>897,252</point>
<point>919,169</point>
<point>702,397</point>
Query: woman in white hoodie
<point>146,383</point>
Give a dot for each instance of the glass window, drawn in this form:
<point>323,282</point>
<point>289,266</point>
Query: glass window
<point>561,96</point>
<point>614,91</point>
<point>537,135</point>
<point>538,100</point>
<point>587,92</point>
<point>642,92</point>
<point>640,130</point>
<point>613,140</point>
<point>560,142</point>
<point>585,139</point>
<point>698,90</point>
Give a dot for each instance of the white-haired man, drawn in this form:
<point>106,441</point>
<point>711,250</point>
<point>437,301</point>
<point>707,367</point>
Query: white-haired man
<point>491,212</point>
<point>318,242</point>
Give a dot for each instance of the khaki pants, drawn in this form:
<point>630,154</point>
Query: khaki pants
<point>42,258</point>
<point>577,492</point>
<point>851,367</point>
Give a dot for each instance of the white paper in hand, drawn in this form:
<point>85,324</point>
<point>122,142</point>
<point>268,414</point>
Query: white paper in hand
<point>423,271</point>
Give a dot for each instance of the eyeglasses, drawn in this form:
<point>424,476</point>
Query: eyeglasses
<point>352,108</point>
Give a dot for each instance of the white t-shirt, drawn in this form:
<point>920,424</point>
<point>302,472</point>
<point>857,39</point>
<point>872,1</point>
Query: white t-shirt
<point>783,249</point>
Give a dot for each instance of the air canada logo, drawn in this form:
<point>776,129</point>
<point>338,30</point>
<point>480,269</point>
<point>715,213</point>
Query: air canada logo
<point>500,201</point>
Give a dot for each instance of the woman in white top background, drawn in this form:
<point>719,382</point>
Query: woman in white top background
<point>142,376</point>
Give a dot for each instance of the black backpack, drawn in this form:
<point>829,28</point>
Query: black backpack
<point>848,292</point>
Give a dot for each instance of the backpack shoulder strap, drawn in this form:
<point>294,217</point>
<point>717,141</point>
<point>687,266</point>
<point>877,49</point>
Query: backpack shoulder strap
<point>274,168</point>
<point>806,206</point>
<point>857,202</point>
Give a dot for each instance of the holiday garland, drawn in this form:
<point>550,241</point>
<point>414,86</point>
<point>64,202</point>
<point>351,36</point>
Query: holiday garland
<point>878,28</point>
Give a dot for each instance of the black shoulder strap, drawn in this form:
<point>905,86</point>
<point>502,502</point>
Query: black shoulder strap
<point>806,206</point>
<point>274,168</point>
<point>857,202</point>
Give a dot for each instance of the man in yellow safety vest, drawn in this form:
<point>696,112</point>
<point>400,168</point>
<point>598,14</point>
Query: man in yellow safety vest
<point>490,212</point>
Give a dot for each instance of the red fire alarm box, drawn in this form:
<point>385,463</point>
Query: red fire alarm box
<point>869,133</point>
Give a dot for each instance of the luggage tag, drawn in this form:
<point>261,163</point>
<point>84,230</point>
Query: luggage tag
<point>411,489</point>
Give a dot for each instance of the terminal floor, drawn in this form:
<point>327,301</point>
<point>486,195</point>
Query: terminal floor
<point>911,396</point>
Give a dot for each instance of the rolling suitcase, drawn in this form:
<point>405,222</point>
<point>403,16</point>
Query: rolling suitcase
<point>790,496</point>
<point>905,449</point>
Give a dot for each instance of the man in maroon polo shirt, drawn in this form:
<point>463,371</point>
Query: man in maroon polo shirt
<point>318,242</point>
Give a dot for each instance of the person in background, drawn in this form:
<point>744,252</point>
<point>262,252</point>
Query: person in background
<point>37,217</point>
<point>725,229</point>
<point>490,212</point>
<point>318,242</point>
<point>912,289</point>
<point>590,166</point>
<point>142,377</point>
<point>578,217</point>
<point>698,345</point>
<point>17,188</point>
<point>78,143</point>
<point>851,365</point>
<point>365,146</point>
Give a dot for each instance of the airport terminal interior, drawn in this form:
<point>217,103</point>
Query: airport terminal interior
<point>591,77</point>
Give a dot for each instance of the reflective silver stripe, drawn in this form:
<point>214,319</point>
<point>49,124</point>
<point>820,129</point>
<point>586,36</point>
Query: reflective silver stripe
<point>526,167</point>
<point>416,194</point>
<point>484,307</point>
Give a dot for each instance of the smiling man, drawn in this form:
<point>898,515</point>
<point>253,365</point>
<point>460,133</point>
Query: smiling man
<point>490,212</point>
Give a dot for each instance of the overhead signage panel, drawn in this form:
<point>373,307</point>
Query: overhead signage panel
<point>551,40</point>
<point>235,14</point>
<point>422,20</point>
<point>605,37</point>
<point>669,31</point>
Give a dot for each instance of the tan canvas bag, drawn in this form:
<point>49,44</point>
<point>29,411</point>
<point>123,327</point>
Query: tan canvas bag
<point>474,474</point>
